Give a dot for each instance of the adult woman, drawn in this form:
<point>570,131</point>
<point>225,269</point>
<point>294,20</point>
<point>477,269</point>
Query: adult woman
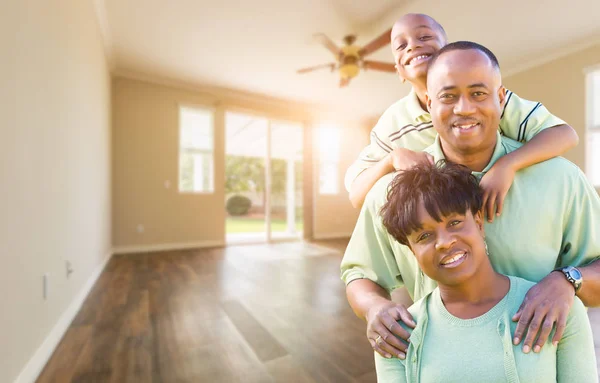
<point>464,326</point>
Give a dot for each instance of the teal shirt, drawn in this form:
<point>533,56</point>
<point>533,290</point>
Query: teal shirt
<point>551,218</point>
<point>445,348</point>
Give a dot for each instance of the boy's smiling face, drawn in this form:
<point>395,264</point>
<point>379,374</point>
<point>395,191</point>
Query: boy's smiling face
<point>414,39</point>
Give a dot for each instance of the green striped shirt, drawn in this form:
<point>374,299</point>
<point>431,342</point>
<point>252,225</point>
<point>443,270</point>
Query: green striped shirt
<point>406,125</point>
<point>551,218</point>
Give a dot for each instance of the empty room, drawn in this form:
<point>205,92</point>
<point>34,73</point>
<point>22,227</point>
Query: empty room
<point>193,191</point>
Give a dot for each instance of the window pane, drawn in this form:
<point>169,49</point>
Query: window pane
<point>196,129</point>
<point>593,157</point>
<point>196,170</point>
<point>329,158</point>
<point>329,143</point>
<point>328,178</point>
<point>596,99</point>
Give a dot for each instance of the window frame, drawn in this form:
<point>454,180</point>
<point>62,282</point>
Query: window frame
<point>194,151</point>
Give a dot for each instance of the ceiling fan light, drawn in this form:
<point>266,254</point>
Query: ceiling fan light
<point>349,70</point>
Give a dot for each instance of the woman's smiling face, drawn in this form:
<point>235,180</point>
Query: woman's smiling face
<point>449,251</point>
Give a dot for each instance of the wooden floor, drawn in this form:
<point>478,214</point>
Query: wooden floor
<point>262,313</point>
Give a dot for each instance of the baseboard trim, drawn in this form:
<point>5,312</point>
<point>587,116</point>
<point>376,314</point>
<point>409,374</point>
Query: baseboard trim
<point>38,361</point>
<point>166,247</point>
<point>332,235</point>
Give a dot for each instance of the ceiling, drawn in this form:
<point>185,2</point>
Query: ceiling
<point>257,45</point>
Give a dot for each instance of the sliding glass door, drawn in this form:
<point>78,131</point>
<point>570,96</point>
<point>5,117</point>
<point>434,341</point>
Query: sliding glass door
<point>263,179</point>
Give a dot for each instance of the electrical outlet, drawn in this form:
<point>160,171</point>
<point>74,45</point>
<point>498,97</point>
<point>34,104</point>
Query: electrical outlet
<point>45,286</point>
<point>140,228</point>
<point>69,268</point>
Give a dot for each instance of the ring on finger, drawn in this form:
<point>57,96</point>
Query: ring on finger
<point>378,339</point>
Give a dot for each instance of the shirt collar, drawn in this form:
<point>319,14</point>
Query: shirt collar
<point>414,108</point>
<point>499,151</point>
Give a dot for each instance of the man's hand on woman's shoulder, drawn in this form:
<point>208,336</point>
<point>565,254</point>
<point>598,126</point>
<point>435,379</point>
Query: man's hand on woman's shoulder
<point>385,335</point>
<point>546,304</point>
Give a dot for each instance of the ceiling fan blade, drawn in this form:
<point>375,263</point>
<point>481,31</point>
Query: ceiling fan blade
<point>327,43</point>
<point>379,65</point>
<point>344,81</point>
<point>310,69</point>
<point>376,44</point>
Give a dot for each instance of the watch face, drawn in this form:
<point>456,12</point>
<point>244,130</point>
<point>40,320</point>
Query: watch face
<point>575,273</point>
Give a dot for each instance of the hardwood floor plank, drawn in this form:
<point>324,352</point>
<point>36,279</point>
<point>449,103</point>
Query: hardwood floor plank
<point>369,377</point>
<point>132,361</point>
<point>293,332</point>
<point>287,370</point>
<point>260,340</point>
<point>207,350</point>
<point>60,366</point>
<point>95,362</point>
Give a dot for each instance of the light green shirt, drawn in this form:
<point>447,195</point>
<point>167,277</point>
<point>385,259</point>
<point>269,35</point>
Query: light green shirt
<point>445,348</point>
<point>406,125</point>
<point>551,218</point>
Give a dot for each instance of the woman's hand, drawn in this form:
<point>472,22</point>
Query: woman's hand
<point>495,184</point>
<point>385,335</point>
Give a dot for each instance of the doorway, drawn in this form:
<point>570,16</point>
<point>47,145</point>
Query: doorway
<point>263,179</point>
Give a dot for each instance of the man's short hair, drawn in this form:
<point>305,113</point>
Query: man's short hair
<point>445,188</point>
<point>463,46</point>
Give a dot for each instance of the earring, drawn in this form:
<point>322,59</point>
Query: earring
<point>487,251</point>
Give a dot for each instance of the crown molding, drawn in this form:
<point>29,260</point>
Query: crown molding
<point>229,97</point>
<point>552,55</point>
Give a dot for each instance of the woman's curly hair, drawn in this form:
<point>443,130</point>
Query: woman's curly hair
<point>445,188</point>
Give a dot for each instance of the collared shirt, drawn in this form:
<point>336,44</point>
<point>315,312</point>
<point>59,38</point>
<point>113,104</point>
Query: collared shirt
<point>551,218</point>
<point>406,125</point>
<point>444,348</point>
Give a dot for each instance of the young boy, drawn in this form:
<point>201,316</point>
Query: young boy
<point>405,128</point>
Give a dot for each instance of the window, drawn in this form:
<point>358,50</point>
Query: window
<point>329,159</point>
<point>593,132</point>
<point>196,150</point>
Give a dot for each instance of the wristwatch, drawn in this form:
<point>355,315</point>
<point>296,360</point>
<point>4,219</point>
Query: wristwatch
<point>573,275</point>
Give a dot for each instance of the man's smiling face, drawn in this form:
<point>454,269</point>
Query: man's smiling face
<point>465,99</point>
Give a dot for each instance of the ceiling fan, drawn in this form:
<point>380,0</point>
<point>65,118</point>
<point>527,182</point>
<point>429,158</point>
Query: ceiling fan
<point>351,58</point>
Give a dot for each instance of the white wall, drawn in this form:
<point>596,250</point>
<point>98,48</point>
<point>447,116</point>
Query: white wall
<point>54,168</point>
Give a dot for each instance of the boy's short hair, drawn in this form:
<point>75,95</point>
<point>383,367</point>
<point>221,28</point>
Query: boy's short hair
<point>445,188</point>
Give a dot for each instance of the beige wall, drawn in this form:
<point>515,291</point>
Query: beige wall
<point>560,86</point>
<point>145,155</point>
<point>54,166</point>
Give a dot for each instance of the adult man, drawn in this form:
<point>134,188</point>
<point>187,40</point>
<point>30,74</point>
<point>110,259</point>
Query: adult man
<point>551,218</point>
<point>405,128</point>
